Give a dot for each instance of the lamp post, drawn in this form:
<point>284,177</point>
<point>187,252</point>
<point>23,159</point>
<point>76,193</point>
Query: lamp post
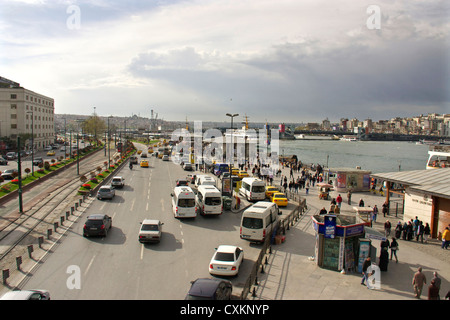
<point>109,138</point>
<point>232,148</point>
<point>78,146</point>
<point>32,142</point>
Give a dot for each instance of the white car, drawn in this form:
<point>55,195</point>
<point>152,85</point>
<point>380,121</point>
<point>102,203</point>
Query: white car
<point>226,261</point>
<point>26,295</point>
<point>150,231</point>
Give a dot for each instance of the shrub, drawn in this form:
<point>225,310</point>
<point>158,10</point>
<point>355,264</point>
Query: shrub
<point>94,180</point>
<point>86,185</point>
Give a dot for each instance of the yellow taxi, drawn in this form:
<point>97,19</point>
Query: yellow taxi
<point>270,190</point>
<point>280,199</point>
<point>242,174</point>
<point>234,171</point>
<point>144,163</point>
<point>51,153</point>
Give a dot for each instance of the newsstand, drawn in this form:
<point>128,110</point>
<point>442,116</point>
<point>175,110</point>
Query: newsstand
<point>340,243</point>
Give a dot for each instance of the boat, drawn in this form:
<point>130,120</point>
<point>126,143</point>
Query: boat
<point>438,157</point>
<point>312,137</point>
<point>349,138</point>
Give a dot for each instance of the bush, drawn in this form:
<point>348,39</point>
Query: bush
<point>86,185</point>
<point>94,180</point>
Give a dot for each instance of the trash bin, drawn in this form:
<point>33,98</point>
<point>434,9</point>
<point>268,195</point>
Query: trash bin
<point>226,203</point>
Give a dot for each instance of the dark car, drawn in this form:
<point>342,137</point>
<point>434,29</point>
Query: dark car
<point>97,225</point>
<point>210,289</point>
<point>37,161</point>
<point>3,161</point>
<point>182,182</point>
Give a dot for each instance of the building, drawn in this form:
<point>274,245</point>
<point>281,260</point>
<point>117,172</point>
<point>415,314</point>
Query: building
<point>426,195</point>
<point>25,112</point>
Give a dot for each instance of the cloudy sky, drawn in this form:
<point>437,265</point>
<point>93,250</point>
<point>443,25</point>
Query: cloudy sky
<point>274,60</point>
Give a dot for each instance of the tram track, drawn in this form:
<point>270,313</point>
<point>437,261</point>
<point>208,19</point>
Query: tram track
<point>54,200</point>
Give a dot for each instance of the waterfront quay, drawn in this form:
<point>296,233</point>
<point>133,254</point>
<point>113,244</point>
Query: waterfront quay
<point>291,272</point>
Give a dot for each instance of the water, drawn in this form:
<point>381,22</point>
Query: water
<point>376,156</point>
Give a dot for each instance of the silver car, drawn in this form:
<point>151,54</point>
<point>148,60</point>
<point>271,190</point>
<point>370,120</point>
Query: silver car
<point>26,295</point>
<point>150,231</point>
<point>106,192</point>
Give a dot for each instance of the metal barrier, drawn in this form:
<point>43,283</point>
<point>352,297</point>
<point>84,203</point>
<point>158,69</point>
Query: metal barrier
<point>280,228</point>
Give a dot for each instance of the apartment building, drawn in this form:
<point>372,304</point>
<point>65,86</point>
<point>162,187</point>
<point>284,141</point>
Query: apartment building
<point>23,111</point>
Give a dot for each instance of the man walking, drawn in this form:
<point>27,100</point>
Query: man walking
<point>418,281</point>
<point>367,263</point>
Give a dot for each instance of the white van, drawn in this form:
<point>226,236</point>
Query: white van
<point>209,200</point>
<point>253,189</point>
<point>204,180</point>
<point>183,202</point>
<point>258,221</point>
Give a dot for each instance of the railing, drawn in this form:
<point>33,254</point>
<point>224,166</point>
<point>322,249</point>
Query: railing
<point>281,227</point>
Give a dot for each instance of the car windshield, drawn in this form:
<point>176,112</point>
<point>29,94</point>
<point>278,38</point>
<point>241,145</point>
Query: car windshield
<point>252,223</point>
<point>258,189</point>
<point>279,196</point>
<point>102,190</point>
<point>224,256</point>
<point>213,201</point>
<point>186,203</point>
<point>150,227</point>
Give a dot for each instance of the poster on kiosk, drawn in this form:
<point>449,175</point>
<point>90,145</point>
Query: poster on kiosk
<point>330,226</point>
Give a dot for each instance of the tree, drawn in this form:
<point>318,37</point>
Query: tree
<point>94,126</point>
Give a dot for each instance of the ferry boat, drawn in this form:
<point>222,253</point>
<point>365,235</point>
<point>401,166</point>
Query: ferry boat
<point>349,138</point>
<point>438,157</point>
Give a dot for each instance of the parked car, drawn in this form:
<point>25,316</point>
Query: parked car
<point>11,155</point>
<point>226,260</point>
<point>150,231</point>
<point>51,153</point>
<point>165,157</point>
<point>97,225</point>
<point>3,161</point>
<point>37,161</point>
<point>106,192</point>
<point>9,174</point>
<point>210,289</point>
<point>118,182</point>
<point>26,295</point>
<point>187,166</point>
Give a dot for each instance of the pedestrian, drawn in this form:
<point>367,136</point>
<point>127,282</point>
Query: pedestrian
<point>339,201</point>
<point>394,248</point>
<point>415,225</point>
<point>332,206</point>
<point>418,281</point>
<point>398,230</point>
<point>361,202</point>
<point>349,197</point>
<point>367,263</point>
<point>375,213</point>
<point>426,232</point>
<point>419,233</point>
<point>433,291</point>
<point>437,282</point>
<point>307,187</point>
<point>387,228</point>
<point>323,211</point>
<point>445,238</point>
<point>384,209</point>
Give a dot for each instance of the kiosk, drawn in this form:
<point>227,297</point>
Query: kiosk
<point>340,243</point>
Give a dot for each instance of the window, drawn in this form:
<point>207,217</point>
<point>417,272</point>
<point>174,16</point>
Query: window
<point>13,96</point>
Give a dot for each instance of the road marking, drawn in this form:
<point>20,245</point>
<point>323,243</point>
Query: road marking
<point>89,265</point>
<point>132,204</point>
<point>142,251</point>
<point>146,207</point>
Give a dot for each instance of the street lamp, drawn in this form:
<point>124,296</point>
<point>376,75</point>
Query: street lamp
<point>32,142</point>
<point>232,148</point>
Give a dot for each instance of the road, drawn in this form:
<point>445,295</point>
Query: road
<point>119,267</point>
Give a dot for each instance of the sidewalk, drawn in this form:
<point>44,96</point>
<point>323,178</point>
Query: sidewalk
<point>292,274</point>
